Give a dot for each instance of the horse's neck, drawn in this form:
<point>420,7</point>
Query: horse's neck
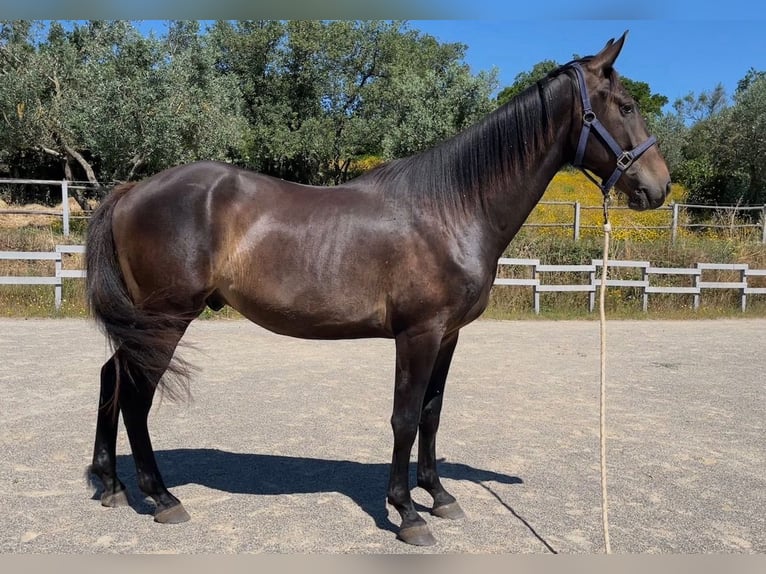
<point>489,178</point>
<point>507,206</point>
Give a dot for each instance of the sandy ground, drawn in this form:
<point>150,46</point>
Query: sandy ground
<point>285,445</point>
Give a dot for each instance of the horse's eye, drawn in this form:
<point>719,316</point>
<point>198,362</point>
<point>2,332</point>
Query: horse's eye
<point>626,109</point>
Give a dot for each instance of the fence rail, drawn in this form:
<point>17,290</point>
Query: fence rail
<point>538,277</point>
<point>59,273</point>
<point>675,223</point>
<point>650,281</point>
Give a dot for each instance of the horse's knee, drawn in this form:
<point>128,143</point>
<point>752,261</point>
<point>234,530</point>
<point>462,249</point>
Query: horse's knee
<point>404,422</point>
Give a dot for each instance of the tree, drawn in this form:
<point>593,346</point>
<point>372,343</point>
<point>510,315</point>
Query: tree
<point>724,148</point>
<point>110,103</point>
<point>523,80</point>
<point>39,82</point>
<point>743,142</point>
<point>320,95</point>
<point>671,134</point>
<point>649,104</point>
<point>706,105</point>
<point>301,100</point>
<point>751,76</point>
<point>699,170</point>
<point>166,102</point>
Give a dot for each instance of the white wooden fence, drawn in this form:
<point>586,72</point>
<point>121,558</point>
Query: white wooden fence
<point>536,276</point>
<point>59,273</point>
<point>65,187</point>
<point>647,278</point>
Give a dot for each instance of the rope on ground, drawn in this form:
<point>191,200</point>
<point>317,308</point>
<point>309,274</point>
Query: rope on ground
<point>602,418</point>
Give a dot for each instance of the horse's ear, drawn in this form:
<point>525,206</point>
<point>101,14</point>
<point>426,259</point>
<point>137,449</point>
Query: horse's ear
<point>605,59</point>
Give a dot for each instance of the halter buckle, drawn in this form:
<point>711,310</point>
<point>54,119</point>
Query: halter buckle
<point>588,117</point>
<point>625,160</point>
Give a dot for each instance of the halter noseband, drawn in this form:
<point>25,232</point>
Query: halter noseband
<point>589,120</point>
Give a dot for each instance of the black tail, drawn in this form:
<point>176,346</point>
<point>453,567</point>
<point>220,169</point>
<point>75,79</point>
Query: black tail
<point>144,341</point>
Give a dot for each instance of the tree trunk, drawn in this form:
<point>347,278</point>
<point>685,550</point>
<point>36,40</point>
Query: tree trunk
<point>78,197</point>
<point>137,161</point>
<point>87,168</point>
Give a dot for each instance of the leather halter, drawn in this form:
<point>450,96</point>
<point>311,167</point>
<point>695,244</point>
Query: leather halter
<point>590,122</point>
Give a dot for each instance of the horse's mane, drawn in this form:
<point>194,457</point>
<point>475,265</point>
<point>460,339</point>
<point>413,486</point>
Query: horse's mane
<point>485,155</point>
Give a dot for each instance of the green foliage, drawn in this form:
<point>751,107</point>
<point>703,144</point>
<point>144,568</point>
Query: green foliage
<point>320,95</point>
<point>707,104</point>
<point>109,103</point>
<point>165,105</point>
<point>650,104</point>
<point>301,100</point>
<point>751,76</point>
<point>745,140</point>
<point>671,133</point>
<point>724,149</point>
<point>523,80</point>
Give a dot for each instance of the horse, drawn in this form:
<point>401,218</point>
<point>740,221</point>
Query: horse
<point>406,251</point>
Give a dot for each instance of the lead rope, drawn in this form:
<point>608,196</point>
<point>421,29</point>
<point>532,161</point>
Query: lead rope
<point>602,295</point>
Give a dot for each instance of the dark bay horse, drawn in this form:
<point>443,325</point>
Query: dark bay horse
<point>406,251</point>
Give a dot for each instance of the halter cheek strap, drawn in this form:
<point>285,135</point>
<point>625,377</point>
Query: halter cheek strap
<point>590,122</point>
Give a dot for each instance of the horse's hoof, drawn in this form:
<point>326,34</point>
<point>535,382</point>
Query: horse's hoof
<point>418,535</point>
<point>173,515</point>
<point>114,499</point>
<point>451,511</point>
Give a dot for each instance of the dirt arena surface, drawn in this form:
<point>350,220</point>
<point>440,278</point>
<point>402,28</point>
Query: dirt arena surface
<point>286,443</point>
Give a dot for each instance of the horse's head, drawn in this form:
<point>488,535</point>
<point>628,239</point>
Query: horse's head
<point>611,139</point>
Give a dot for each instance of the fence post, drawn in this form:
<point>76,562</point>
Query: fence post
<point>763,225</point>
<point>58,287</point>
<point>674,224</point>
<point>645,279</point>
<point>65,206</point>
<point>743,279</point>
<point>577,221</point>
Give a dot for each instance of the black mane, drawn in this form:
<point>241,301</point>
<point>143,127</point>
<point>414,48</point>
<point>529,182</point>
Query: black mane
<point>485,156</point>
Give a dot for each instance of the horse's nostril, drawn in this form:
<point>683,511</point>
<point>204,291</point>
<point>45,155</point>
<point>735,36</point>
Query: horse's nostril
<point>667,189</point>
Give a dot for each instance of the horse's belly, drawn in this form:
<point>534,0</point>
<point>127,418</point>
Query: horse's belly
<point>310,315</point>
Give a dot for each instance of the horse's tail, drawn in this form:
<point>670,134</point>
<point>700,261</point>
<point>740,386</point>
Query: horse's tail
<point>144,341</point>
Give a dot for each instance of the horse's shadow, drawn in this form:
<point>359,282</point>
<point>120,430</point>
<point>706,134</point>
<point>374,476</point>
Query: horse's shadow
<point>261,474</point>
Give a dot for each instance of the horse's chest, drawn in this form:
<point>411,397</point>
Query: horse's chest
<point>475,297</point>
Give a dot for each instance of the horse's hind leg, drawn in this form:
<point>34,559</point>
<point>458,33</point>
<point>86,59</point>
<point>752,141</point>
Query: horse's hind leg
<point>445,504</point>
<point>104,450</point>
<point>135,402</point>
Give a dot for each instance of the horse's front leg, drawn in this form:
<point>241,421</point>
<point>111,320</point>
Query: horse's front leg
<point>445,504</point>
<point>416,351</point>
